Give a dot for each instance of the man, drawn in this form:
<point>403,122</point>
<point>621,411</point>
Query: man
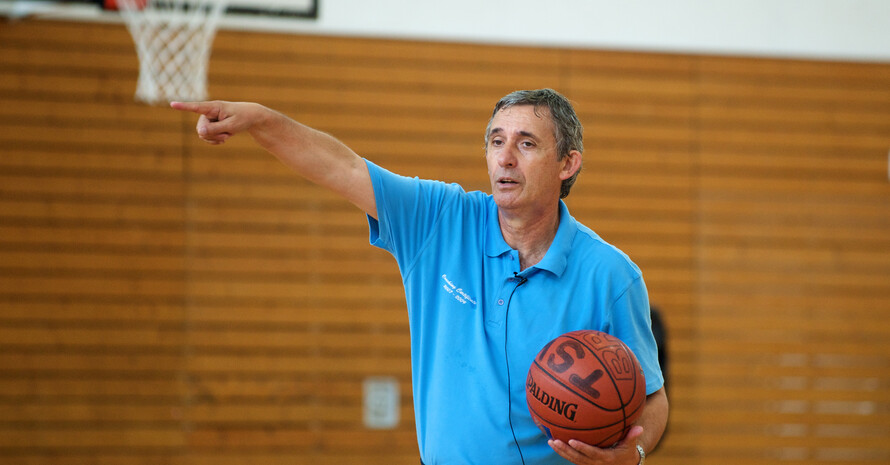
<point>489,279</point>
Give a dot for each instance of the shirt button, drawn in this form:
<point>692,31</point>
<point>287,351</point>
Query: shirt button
<point>500,301</point>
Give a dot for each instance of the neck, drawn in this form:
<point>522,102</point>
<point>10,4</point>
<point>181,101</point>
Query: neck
<point>531,235</point>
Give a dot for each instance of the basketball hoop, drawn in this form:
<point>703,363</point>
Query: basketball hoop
<point>173,40</point>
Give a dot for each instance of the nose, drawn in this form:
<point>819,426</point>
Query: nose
<point>506,157</point>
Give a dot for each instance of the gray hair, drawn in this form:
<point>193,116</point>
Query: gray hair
<point>569,132</point>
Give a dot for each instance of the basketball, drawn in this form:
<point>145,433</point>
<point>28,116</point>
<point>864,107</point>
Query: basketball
<point>585,385</point>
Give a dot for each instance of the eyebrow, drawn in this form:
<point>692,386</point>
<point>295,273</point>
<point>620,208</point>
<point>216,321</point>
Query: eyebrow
<point>521,133</point>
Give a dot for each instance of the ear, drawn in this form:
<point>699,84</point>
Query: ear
<point>570,165</point>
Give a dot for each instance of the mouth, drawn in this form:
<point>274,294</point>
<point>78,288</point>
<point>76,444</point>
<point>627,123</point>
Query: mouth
<point>506,181</point>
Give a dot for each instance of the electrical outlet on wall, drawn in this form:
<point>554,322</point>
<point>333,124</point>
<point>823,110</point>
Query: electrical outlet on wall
<point>381,402</point>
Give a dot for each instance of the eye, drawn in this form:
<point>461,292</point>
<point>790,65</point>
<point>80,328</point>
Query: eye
<point>497,142</point>
<point>527,144</point>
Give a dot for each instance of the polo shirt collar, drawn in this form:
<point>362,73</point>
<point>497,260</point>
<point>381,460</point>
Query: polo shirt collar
<point>556,258</point>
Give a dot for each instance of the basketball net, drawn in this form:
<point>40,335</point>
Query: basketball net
<point>173,40</point>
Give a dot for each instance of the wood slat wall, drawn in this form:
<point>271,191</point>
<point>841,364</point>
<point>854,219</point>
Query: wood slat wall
<point>167,302</point>
<point>794,261</point>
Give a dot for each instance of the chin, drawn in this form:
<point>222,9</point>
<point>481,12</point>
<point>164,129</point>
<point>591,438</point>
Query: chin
<point>504,202</point>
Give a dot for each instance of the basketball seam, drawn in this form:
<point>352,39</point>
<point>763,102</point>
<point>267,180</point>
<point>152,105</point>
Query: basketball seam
<point>611,378</point>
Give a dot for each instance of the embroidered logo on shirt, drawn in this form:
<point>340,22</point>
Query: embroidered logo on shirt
<point>456,292</point>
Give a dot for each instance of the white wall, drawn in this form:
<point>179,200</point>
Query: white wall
<point>832,29</point>
<point>823,29</point>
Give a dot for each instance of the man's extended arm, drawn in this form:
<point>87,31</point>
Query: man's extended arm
<point>313,154</point>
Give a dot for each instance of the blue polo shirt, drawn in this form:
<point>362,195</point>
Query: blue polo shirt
<point>477,322</point>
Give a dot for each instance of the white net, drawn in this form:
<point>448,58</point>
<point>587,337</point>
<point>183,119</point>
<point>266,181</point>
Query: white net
<point>173,40</point>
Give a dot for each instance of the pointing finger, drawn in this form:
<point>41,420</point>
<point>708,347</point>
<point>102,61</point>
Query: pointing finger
<point>209,109</point>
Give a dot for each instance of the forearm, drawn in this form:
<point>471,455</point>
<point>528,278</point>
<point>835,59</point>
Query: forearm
<point>311,153</point>
<point>653,420</point>
<point>315,155</point>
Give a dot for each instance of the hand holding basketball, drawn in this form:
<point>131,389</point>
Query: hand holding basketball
<point>221,120</point>
<point>585,390</point>
<point>579,453</point>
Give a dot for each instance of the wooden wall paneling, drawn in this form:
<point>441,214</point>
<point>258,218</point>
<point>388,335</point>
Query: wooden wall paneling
<point>58,61</point>
<point>164,301</point>
<point>92,260</point>
<point>791,200</point>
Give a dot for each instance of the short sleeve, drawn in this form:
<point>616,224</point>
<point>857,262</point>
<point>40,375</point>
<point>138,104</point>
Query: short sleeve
<point>409,211</point>
<point>630,321</point>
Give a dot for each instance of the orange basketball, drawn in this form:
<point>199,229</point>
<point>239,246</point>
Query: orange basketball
<point>585,385</point>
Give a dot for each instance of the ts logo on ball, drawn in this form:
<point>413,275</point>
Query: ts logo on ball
<point>566,360</point>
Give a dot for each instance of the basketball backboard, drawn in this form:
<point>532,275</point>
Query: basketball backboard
<point>94,9</point>
<point>274,8</point>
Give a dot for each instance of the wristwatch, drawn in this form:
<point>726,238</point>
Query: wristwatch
<point>642,454</point>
